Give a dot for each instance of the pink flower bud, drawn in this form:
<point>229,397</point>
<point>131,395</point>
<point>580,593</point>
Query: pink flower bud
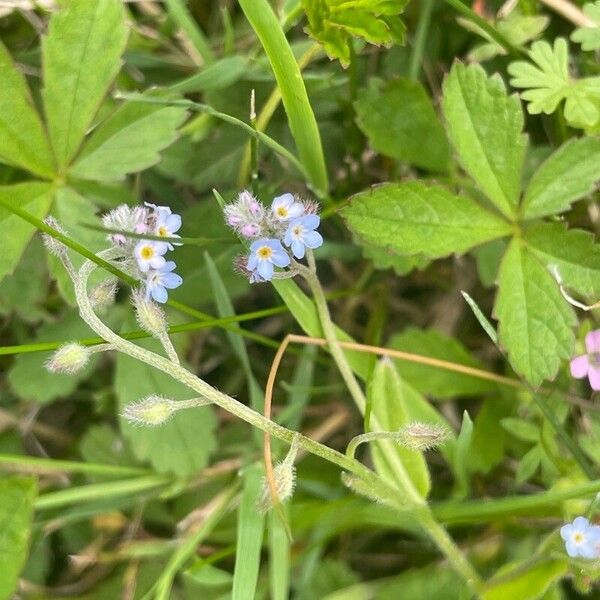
<point>249,230</point>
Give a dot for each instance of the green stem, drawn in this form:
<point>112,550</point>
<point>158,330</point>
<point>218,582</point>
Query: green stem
<point>371,436</point>
<point>416,56</point>
<point>179,13</point>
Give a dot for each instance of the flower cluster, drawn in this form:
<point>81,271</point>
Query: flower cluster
<point>147,256</point>
<point>287,229</point>
<point>581,538</point>
<point>588,364</point>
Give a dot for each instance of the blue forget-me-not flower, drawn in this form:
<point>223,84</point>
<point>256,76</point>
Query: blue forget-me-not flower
<point>264,255</point>
<point>581,538</point>
<point>158,281</point>
<point>301,234</point>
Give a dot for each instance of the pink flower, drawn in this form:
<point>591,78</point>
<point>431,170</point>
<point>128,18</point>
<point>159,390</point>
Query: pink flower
<point>589,364</point>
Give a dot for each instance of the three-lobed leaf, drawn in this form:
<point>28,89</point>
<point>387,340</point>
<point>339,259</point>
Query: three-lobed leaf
<point>23,141</point>
<point>485,127</point>
<point>535,322</point>
<point>415,218</point>
<point>81,56</point>
<point>566,176</point>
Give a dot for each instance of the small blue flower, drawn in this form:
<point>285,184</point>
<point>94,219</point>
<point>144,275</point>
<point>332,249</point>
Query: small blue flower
<point>158,281</point>
<point>301,234</point>
<point>167,224</point>
<point>581,538</point>
<point>285,208</point>
<point>264,254</point>
<point>149,254</point>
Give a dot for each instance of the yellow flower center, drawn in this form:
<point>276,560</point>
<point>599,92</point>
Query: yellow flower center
<point>578,537</point>
<point>147,252</point>
<point>297,231</point>
<point>282,212</point>
<point>264,252</point>
<point>162,231</point>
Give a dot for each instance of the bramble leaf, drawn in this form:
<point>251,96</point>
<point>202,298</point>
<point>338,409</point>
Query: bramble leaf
<point>399,120</point>
<point>589,37</point>
<point>413,218</point>
<point>485,127</point>
<point>535,322</point>
<point>23,141</point>
<point>566,176</point>
<point>81,57</point>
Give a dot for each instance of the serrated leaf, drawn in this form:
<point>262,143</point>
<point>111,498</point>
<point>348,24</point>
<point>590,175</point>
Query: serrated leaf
<point>399,120</point>
<point>566,176</point>
<point>433,380</point>
<point>182,445</point>
<point>572,251</point>
<point>589,37</point>
<point>535,320</point>
<point>16,515</point>
<point>128,141</point>
<point>81,56</point>
<point>548,83</point>
<point>390,401</point>
<point>384,259</point>
<point>414,218</point>
<point>23,141</point>
<point>485,127</point>
<point>36,199</point>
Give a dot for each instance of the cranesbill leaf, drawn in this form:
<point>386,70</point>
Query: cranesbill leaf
<point>567,175</point>
<point>572,251</point>
<point>535,320</point>
<point>128,141</point>
<point>81,56</point>
<point>16,514</point>
<point>183,444</point>
<point>485,127</point>
<point>399,120</point>
<point>589,37</point>
<point>23,140</point>
<point>413,218</point>
<point>35,198</point>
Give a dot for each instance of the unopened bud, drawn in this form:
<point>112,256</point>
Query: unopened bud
<point>69,359</point>
<point>150,317</point>
<point>52,244</point>
<point>153,411</point>
<point>422,436</point>
<point>284,478</point>
<point>103,294</point>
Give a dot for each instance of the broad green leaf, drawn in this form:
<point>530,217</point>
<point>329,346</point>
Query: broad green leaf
<point>45,387</point>
<point>526,582</point>
<point>399,120</point>
<point>572,252</point>
<point>35,198</point>
<point>485,127</point>
<point>384,259</point>
<point>438,382</point>
<point>16,515</point>
<point>535,320</point>
<point>486,426</point>
<point>548,83</point>
<point>390,400</point>
<point>81,56</point>
<point>23,141</point>
<point>589,37</point>
<point>250,530</point>
<point>182,445</point>
<point>566,176</point>
<point>413,218</point>
<point>128,141</point>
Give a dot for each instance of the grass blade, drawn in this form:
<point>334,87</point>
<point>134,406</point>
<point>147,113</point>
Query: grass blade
<point>279,557</point>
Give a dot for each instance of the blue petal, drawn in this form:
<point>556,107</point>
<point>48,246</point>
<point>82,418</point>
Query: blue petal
<point>313,239</point>
<point>311,221</point>
<point>298,249</point>
<point>287,238</point>
<point>169,266</point>
<point>171,280</point>
<point>265,270</point>
<point>283,200</point>
<point>572,549</point>
<point>159,293</point>
<point>173,223</point>
<point>566,531</point>
<point>280,258</point>
<point>581,523</point>
<point>252,261</point>
<point>258,243</point>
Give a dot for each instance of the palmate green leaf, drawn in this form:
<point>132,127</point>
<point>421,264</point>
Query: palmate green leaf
<point>182,445</point>
<point>485,127</point>
<point>548,83</point>
<point>81,56</point>
<point>36,198</point>
<point>535,321</point>
<point>128,141</point>
<point>390,402</point>
<point>23,141</point>
<point>572,251</point>
<point>414,218</point>
<point>16,515</point>
<point>589,37</point>
<point>566,176</point>
<point>433,380</point>
<point>399,120</point>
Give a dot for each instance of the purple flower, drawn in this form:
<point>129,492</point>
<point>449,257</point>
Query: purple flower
<point>149,255</point>
<point>158,281</point>
<point>581,538</point>
<point>264,254</point>
<point>589,364</point>
<point>301,234</point>
<point>285,208</point>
